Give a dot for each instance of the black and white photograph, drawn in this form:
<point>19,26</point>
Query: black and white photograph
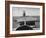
<point>25,18</point>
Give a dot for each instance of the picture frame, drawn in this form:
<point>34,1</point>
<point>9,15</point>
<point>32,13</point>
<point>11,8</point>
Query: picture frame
<point>11,10</point>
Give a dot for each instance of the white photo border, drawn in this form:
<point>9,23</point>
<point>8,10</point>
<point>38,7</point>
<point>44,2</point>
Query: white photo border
<point>21,32</point>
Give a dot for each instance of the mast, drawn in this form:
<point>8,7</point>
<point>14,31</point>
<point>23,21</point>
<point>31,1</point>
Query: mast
<point>24,13</point>
<point>24,16</point>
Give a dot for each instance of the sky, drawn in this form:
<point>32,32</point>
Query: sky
<point>18,11</point>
